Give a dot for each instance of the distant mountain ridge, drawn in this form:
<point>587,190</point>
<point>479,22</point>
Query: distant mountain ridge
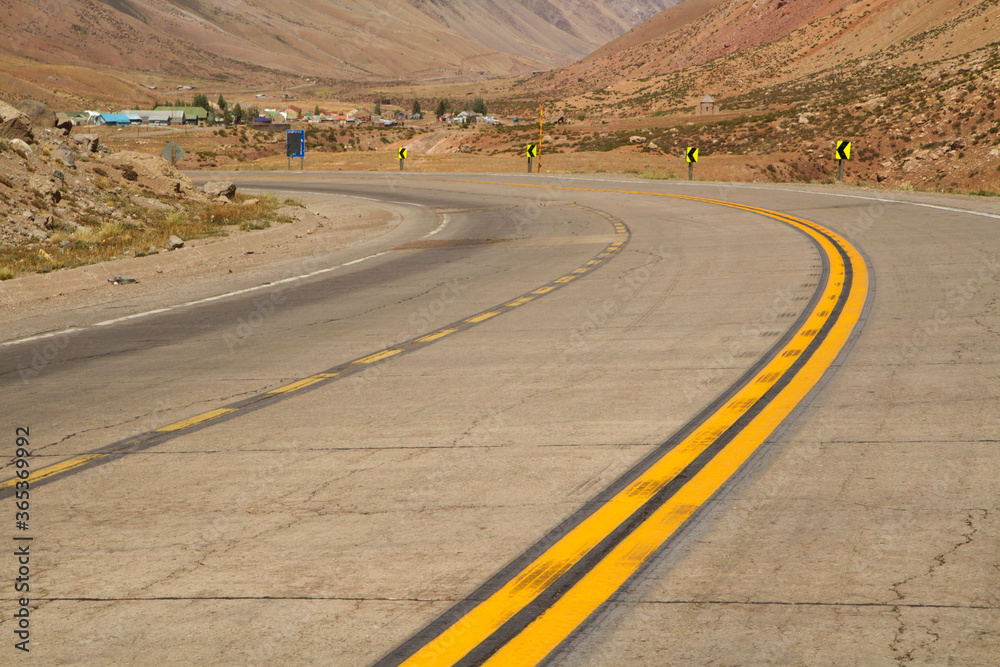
<point>347,39</point>
<point>731,46</point>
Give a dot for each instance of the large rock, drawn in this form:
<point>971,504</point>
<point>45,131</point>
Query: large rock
<point>15,125</point>
<point>217,189</point>
<point>64,123</point>
<point>41,117</point>
<point>155,173</point>
<point>91,142</point>
<point>21,148</point>
<point>64,155</point>
<point>47,187</point>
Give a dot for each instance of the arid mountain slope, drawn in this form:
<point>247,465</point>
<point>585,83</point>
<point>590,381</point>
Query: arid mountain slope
<point>731,46</point>
<point>354,39</point>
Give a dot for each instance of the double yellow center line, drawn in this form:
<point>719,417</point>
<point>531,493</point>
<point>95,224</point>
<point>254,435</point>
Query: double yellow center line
<point>541,604</point>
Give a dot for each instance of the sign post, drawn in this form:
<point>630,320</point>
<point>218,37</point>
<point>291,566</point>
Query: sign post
<point>173,153</point>
<point>692,157</point>
<point>541,124</point>
<point>843,154</point>
<point>531,152</point>
<point>295,146</point>
<point>403,153</point>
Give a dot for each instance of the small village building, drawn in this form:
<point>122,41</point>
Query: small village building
<point>360,115</point>
<point>118,119</point>
<point>164,119</point>
<point>77,117</point>
<point>192,115</point>
<point>707,106</point>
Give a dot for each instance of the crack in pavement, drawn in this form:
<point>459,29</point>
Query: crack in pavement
<point>940,560</point>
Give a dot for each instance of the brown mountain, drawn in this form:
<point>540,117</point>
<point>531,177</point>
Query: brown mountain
<point>733,46</point>
<point>352,39</point>
<point>912,84</point>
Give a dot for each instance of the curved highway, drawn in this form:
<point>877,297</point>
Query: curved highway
<point>544,421</point>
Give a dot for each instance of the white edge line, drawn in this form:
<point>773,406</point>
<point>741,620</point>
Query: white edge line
<point>442,226</point>
<point>737,186</point>
<point>53,334</point>
<point>217,297</point>
<point>444,223</point>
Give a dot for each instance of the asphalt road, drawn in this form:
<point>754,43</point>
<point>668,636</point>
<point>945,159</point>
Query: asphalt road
<point>452,446</point>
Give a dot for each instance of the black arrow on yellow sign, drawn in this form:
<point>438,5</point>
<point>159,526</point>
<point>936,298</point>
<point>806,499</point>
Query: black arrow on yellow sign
<point>402,153</point>
<point>692,154</point>
<point>843,150</point>
<point>532,150</point>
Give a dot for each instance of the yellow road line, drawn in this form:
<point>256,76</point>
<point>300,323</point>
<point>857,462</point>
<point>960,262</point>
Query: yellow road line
<point>483,317</point>
<point>549,629</point>
<point>565,279</point>
<point>542,636</point>
<point>436,335</point>
<point>54,469</point>
<point>76,462</point>
<point>379,356</point>
<point>204,417</point>
<point>302,384</point>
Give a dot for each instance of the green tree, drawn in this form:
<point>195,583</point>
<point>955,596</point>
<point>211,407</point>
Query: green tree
<point>222,104</point>
<point>316,111</point>
<point>416,107</point>
<point>238,114</point>
<point>378,107</point>
<point>442,107</point>
<point>479,106</point>
<point>201,100</point>
<point>251,113</point>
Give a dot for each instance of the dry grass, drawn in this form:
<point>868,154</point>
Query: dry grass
<point>115,239</point>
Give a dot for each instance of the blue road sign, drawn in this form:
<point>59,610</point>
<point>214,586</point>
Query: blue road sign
<point>295,143</point>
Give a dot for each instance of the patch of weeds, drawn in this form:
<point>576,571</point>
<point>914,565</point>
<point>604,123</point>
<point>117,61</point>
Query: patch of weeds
<point>6,273</point>
<point>658,176</point>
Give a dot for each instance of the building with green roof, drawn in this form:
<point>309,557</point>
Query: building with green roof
<point>192,115</point>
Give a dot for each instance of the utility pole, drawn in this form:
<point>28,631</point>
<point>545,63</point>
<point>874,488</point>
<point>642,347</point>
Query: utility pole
<point>541,124</point>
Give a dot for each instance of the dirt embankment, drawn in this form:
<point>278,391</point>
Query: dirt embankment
<point>52,180</point>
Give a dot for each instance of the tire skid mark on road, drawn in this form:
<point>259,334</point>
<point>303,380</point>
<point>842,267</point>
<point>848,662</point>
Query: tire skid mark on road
<point>117,450</point>
<point>536,604</point>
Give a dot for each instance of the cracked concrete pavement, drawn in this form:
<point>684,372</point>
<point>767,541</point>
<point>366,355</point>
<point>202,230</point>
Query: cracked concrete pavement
<point>328,528</point>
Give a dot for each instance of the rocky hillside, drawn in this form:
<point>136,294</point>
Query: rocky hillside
<point>730,47</point>
<point>259,42</point>
<point>913,83</point>
<point>66,200</point>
